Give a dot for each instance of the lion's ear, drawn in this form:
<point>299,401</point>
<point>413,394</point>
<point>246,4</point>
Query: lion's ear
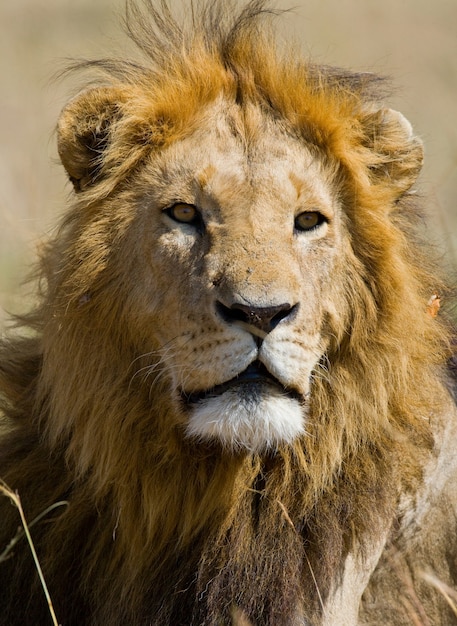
<point>398,153</point>
<point>83,133</point>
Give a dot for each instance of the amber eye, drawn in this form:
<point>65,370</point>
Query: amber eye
<point>309,220</point>
<point>180,212</point>
<point>185,214</point>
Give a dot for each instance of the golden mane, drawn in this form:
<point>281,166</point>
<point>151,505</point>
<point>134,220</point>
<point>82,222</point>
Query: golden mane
<point>157,524</point>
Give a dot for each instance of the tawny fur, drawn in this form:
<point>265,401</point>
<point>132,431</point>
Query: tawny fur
<point>163,528</point>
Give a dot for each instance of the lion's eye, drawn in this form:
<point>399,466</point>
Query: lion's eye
<point>309,220</point>
<point>185,214</point>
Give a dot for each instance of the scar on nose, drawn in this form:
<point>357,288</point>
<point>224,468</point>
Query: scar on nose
<point>251,329</point>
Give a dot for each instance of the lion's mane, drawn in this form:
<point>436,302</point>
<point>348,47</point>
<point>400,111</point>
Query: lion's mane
<point>159,525</point>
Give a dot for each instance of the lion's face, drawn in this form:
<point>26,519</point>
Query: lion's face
<point>237,233</point>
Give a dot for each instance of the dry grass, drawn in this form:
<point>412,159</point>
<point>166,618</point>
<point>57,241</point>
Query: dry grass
<point>25,530</point>
<point>447,592</point>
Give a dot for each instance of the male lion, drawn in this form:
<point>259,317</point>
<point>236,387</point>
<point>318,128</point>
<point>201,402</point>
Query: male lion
<point>232,376</point>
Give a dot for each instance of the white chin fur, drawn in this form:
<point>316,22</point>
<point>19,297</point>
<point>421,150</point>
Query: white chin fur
<point>255,423</point>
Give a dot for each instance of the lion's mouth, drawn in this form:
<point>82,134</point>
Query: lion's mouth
<point>254,379</point>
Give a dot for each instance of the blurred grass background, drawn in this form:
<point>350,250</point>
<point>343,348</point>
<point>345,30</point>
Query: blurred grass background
<point>413,41</point>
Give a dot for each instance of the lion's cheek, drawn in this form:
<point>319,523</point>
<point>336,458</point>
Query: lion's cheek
<point>292,362</point>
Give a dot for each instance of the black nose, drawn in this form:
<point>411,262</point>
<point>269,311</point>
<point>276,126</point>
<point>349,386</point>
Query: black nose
<point>262,318</point>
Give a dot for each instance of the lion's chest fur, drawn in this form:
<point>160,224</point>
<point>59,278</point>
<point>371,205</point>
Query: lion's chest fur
<point>269,558</point>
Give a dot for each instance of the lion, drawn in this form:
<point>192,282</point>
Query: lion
<point>233,376</point>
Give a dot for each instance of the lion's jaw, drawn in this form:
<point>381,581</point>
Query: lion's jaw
<point>252,419</point>
<point>241,332</point>
<point>254,411</point>
<point>257,399</point>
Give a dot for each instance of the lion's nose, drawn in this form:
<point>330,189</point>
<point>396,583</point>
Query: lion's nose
<point>264,319</point>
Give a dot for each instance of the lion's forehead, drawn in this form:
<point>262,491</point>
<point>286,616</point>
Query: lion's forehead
<point>237,164</point>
